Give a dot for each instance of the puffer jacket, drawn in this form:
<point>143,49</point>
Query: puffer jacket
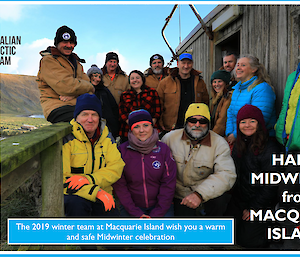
<point>290,114</point>
<point>255,196</point>
<point>151,79</point>
<point>206,168</point>
<point>100,163</point>
<point>57,76</point>
<point>116,86</point>
<point>261,96</point>
<point>169,92</point>
<point>148,180</point>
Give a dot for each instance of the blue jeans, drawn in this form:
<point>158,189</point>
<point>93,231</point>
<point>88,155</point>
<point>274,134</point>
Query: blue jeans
<point>124,213</point>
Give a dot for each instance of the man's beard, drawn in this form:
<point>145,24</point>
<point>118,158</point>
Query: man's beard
<point>196,134</point>
<point>157,71</point>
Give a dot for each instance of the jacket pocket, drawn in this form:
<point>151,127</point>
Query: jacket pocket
<point>77,170</point>
<point>201,170</point>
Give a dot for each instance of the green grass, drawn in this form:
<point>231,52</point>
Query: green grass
<point>10,125</point>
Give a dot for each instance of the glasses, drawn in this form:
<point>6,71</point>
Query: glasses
<point>194,120</point>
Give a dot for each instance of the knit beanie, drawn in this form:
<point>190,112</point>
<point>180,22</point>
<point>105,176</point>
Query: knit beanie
<point>197,109</point>
<point>221,74</point>
<point>88,102</point>
<point>111,56</point>
<point>155,57</point>
<point>139,116</point>
<point>138,72</point>
<point>249,111</point>
<point>94,69</point>
<point>65,33</point>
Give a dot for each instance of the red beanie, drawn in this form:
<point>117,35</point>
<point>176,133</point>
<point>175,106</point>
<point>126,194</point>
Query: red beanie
<point>249,111</point>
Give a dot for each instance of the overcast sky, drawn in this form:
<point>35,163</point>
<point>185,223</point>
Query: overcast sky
<point>131,30</point>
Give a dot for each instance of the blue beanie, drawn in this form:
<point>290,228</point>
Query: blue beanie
<point>88,102</point>
<point>137,116</point>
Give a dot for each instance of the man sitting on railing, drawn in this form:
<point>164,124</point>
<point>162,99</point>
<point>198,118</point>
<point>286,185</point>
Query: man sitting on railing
<point>91,162</point>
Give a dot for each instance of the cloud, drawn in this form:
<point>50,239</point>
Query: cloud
<point>26,60</point>
<point>11,12</point>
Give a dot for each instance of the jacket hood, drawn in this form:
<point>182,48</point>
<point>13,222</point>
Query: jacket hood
<point>51,50</point>
<point>175,71</point>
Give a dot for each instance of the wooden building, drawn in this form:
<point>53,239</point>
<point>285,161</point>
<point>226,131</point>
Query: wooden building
<point>269,32</point>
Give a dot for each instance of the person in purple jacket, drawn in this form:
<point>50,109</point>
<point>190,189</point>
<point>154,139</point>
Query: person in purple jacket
<point>147,186</point>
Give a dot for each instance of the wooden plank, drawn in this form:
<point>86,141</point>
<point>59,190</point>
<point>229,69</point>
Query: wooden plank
<point>17,177</point>
<point>52,181</point>
<point>19,149</point>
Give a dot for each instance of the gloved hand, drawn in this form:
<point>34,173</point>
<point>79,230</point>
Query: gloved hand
<point>76,182</point>
<point>107,199</point>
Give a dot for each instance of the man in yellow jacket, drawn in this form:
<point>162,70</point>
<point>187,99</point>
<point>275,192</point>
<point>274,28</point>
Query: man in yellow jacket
<point>91,162</point>
<point>61,78</point>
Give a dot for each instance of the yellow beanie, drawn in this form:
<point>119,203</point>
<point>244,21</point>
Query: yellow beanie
<point>197,109</point>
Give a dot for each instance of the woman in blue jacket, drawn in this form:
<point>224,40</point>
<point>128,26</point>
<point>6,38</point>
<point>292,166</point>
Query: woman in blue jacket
<point>254,87</point>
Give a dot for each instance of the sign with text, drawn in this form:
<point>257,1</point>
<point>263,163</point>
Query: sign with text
<point>120,231</point>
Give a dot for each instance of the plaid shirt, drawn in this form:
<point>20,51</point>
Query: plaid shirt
<point>130,101</point>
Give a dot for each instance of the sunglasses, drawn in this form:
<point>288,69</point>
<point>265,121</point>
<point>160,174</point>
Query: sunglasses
<point>194,120</point>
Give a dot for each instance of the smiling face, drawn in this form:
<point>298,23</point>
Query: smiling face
<point>89,120</point>
<point>157,66</point>
<point>229,62</point>
<point>248,126</point>
<point>218,85</point>
<point>243,70</point>
<point>66,47</point>
<point>111,66</point>
<point>136,81</point>
<point>142,130</point>
<point>95,79</point>
<point>184,68</point>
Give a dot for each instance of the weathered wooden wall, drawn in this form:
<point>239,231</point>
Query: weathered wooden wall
<point>269,32</point>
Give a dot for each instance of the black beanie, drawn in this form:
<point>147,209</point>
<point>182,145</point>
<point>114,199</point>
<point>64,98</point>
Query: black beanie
<point>111,56</point>
<point>65,33</point>
<point>155,57</point>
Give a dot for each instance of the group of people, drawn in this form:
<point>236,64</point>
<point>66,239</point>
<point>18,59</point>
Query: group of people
<point>156,141</point>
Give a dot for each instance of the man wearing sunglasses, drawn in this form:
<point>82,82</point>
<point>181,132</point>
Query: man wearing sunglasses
<point>205,169</point>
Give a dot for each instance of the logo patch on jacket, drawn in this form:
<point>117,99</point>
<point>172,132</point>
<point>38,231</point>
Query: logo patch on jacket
<point>156,165</point>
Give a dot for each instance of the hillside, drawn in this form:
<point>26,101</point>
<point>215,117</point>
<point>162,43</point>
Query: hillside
<point>19,95</point>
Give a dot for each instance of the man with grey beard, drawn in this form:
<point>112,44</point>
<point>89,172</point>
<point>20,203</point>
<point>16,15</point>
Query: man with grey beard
<point>205,169</point>
<point>156,72</point>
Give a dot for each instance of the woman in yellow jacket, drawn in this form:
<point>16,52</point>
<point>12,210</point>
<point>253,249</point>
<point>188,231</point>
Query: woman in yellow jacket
<point>91,162</point>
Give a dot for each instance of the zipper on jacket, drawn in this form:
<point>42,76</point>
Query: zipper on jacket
<point>93,158</point>
<point>144,181</point>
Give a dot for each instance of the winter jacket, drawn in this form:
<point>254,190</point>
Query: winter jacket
<point>290,114</point>
<point>221,102</point>
<point>255,196</point>
<point>151,79</point>
<point>116,86</point>
<point>147,180</point>
<point>100,163</point>
<point>261,96</point>
<point>110,109</point>
<point>58,76</point>
<point>130,101</point>
<point>169,93</point>
<point>206,168</point>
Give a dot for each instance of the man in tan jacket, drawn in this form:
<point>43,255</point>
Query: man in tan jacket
<point>182,87</point>
<point>113,77</point>
<point>61,78</point>
<point>205,169</point>
<point>157,72</point>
